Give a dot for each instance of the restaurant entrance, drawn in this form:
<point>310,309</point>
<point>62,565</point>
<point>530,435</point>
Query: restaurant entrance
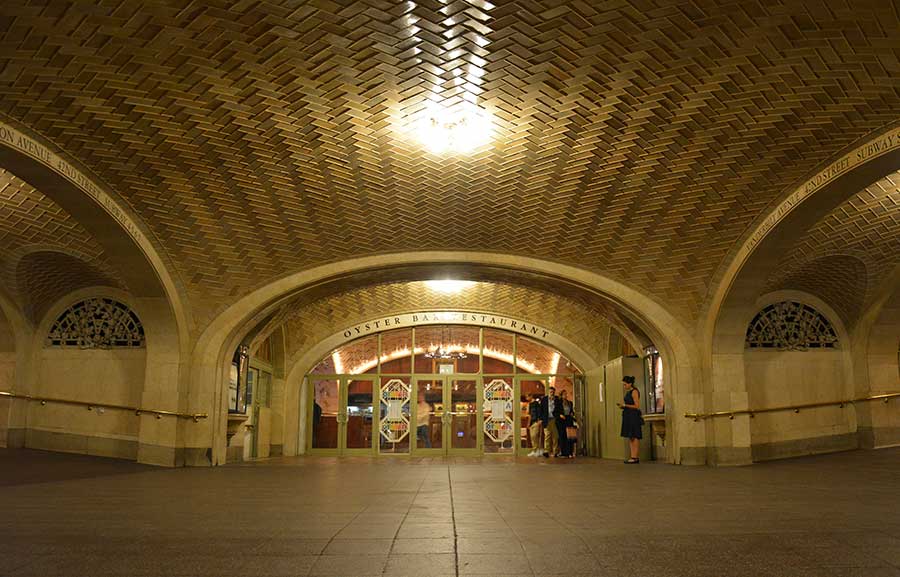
<point>432,391</point>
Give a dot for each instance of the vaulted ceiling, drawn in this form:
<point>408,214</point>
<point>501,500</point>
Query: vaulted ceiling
<point>44,252</point>
<point>847,254</point>
<point>639,139</point>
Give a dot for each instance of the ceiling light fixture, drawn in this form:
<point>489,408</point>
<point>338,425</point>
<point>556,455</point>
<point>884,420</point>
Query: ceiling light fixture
<point>448,286</point>
<point>459,128</point>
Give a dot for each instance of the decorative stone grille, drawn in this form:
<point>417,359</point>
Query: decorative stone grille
<point>791,326</point>
<point>97,323</point>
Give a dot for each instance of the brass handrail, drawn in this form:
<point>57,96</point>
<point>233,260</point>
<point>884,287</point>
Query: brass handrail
<point>90,406</point>
<point>796,408</point>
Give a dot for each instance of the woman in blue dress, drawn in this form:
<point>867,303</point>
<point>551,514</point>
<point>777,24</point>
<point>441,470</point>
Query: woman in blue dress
<point>631,418</point>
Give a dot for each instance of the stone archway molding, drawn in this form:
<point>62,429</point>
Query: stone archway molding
<point>218,341</point>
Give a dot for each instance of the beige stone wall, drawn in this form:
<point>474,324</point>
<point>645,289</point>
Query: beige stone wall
<point>882,419</point>
<point>791,378</point>
<point>103,376</point>
<point>7,383</point>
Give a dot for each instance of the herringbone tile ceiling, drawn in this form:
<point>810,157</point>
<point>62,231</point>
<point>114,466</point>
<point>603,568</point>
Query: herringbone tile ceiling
<point>308,323</point>
<point>636,138</point>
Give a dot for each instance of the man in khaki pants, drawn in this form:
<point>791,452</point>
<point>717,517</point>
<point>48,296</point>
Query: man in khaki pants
<point>535,426</point>
<point>550,409</point>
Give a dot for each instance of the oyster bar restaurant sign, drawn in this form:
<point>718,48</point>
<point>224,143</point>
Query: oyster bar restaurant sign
<point>446,317</point>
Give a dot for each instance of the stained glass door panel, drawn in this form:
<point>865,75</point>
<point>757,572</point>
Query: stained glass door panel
<point>498,415</point>
<point>394,415</point>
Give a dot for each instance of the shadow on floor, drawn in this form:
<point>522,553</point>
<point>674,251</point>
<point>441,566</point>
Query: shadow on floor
<point>28,466</point>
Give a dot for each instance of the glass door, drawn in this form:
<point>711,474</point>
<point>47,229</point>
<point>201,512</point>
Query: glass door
<point>430,417</point>
<point>447,415</point>
<point>463,397</point>
<point>342,416</point>
<point>531,431</point>
<point>358,429</point>
<point>325,415</point>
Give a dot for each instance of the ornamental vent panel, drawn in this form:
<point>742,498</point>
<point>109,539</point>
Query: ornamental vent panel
<point>97,323</point>
<point>791,326</point>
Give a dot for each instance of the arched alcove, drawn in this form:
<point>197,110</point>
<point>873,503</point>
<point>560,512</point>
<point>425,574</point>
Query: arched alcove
<point>797,352</point>
<point>71,233</point>
<point>91,346</point>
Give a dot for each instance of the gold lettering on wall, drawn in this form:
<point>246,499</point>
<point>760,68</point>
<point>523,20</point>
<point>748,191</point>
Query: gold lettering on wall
<point>18,141</point>
<point>447,317</point>
<point>862,154</point>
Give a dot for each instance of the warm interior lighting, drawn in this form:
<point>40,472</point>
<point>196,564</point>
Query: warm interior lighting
<point>369,364</point>
<point>448,286</point>
<point>554,366</point>
<point>460,128</point>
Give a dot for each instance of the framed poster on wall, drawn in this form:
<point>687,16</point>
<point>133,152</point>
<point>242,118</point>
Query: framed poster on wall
<point>233,388</point>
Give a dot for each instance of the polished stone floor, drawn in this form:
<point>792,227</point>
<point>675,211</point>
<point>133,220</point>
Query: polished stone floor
<point>832,515</point>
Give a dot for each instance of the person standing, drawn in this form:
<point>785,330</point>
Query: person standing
<point>535,425</point>
<point>550,408</point>
<point>565,420</point>
<point>423,422</point>
<point>631,418</point>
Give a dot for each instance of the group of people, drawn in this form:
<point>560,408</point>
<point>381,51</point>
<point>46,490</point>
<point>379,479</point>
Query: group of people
<point>552,425</point>
<point>553,428</point>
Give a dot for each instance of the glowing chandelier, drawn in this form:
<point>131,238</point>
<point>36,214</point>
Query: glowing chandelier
<point>446,354</point>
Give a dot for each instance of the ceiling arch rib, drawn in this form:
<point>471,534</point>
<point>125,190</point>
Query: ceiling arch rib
<point>754,262</point>
<point>849,252</point>
<point>46,253</point>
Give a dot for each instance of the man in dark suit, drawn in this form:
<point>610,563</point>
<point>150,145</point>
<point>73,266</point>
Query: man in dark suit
<point>551,408</point>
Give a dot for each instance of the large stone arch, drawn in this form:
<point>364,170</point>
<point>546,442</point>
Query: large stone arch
<point>742,277</point>
<point>217,343</point>
<point>133,253</point>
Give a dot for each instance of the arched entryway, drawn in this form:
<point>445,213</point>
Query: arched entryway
<point>439,389</point>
